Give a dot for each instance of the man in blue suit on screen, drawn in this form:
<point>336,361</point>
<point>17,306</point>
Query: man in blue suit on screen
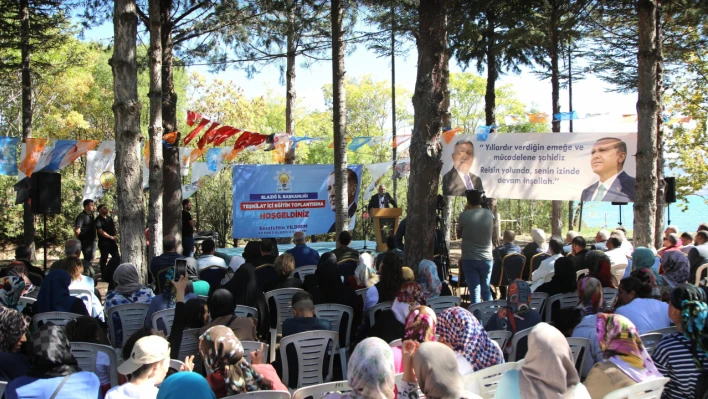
<point>607,161</point>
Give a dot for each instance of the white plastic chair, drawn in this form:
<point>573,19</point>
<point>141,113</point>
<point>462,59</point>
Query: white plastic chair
<point>334,314</point>
<point>569,300</point>
<point>538,299</point>
<point>86,353</point>
<point>167,316</point>
<point>378,308</point>
<point>609,294</point>
<point>3,385</point>
<point>362,293</point>
<point>176,364</point>
<point>311,347</point>
<point>664,331</point>
<point>487,309</point>
<point>57,318</point>
<point>618,271</point>
<point>303,271</point>
<point>651,340</point>
<point>246,311</point>
<point>132,318</point>
<point>581,272</point>
<point>396,343</point>
<point>261,395</point>
<point>515,342</point>
<point>320,390</point>
<point>441,303</point>
<point>501,337</point>
<point>190,347</point>
<point>484,382</point>
<point>580,347</point>
<point>644,390</point>
<point>250,346</point>
<point>85,295</point>
<point>699,272</point>
<point>25,301</point>
<point>283,302</point>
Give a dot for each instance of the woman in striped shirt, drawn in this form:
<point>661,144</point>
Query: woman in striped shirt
<point>681,356</point>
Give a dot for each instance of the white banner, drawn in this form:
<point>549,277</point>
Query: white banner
<point>199,170</point>
<point>543,166</point>
<point>97,162</point>
<point>376,170</point>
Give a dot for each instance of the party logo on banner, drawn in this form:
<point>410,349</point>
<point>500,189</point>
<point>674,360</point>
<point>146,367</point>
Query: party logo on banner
<point>279,200</point>
<point>8,156</point>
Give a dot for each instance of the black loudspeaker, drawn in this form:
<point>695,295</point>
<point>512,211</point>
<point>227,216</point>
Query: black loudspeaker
<point>45,193</point>
<point>670,190</point>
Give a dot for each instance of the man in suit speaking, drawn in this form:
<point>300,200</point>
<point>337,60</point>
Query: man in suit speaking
<point>382,200</point>
<point>607,161</point>
<point>459,179</point>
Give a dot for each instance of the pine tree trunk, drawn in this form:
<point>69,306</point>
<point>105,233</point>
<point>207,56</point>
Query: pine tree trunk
<point>27,215</point>
<point>340,117</point>
<point>661,185</point>
<point>556,206</point>
<point>647,116</point>
<point>490,110</point>
<point>290,85</point>
<point>172,192</point>
<point>155,132</point>
<point>126,110</point>
<point>429,113</point>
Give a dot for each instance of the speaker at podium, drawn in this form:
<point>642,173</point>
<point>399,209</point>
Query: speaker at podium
<point>385,224</point>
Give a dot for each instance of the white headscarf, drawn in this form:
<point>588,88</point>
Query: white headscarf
<point>539,237</point>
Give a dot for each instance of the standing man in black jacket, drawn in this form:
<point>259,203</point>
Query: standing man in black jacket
<point>85,231</point>
<point>107,238</point>
<point>382,200</point>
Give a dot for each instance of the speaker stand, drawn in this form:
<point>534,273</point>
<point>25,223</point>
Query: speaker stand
<point>668,211</point>
<point>44,241</point>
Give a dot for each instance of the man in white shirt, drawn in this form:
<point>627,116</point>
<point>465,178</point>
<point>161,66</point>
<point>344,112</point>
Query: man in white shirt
<point>208,258</point>
<point>555,247</point>
<point>607,161</point>
<point>147,367</point>
<point>615,252</point>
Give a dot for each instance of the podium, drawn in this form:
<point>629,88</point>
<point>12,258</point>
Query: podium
<point>385,224</point>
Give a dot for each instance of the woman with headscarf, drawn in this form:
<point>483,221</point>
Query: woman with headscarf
<point>474,350</point>
<point>185,384</point>
<point>13,330</point>
<point>645,258</point>
<point>420,327</point>
<point>166,299</point>
<point>516,316</point>
<point>370,372</point>
<point>600,267</point>
<point>431,366</point>
<point>627,360</point>
<point>365,275</point>
<point>548,370</point>
<point>54,371</point>
<point>251,251</point>
<point>244,287</point>
<point>221,308</point>
<point>11,288</point>
<point>234,264</point>
<point>675,268</point>
<point>564,278</point>
<point>646,313</point>
<point>232,373</point>
<point>683,355</point>
<point>54,295</point>
<point>536,246</point>
<point>591,301</point>
<point>390,323</point>
<point>128,288</point>
<point>428,279</point>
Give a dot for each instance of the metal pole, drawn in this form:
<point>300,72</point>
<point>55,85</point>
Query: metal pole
<point>44,244</point>
<point>393,96</point>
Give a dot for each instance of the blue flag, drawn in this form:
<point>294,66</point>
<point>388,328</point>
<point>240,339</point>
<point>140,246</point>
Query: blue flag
<point>8,156</point>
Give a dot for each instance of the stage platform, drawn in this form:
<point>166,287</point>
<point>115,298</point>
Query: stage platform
<point>321,247</point>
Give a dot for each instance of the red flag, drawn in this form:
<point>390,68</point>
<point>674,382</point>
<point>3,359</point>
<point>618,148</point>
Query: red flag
<point>256,139</point>
<point>196,131</point>
<point>224,136</point>
<point>242,141</point>
<point>203,139</point>
<point>192,117</point>
<point>218,132</point>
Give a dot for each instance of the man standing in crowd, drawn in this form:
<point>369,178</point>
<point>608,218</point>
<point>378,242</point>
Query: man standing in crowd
<point>85,231</point>
<point>107,238</point>
<point>698,255</point>
<point>475,227</point>
<point>303,254</point>
<point>187,229</point>
<point>382,200</point>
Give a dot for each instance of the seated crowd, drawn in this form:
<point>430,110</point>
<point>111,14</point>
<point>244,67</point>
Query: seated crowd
<point>437,354</point>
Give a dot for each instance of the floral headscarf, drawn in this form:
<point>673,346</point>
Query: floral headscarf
<point>13,326</point>
<point>11,289</point>
<point>420,325</point>
<point>222,351</point>
<point>458,327</point>
<point>428,279</point>
<point>590,295</point>
<point>365,274</point>
<point>370,372</point>
<point>409,297</point>
<point>620,343</point>
<point>168,291</point>
<point>517,305</point>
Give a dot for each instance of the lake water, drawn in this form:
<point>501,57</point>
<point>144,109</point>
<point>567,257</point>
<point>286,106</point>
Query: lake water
<point>603,214</point>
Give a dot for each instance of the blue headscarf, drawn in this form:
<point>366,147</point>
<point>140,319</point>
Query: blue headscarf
<point>185,384</point>
<point>54,295</point>
<point>428,279</point>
